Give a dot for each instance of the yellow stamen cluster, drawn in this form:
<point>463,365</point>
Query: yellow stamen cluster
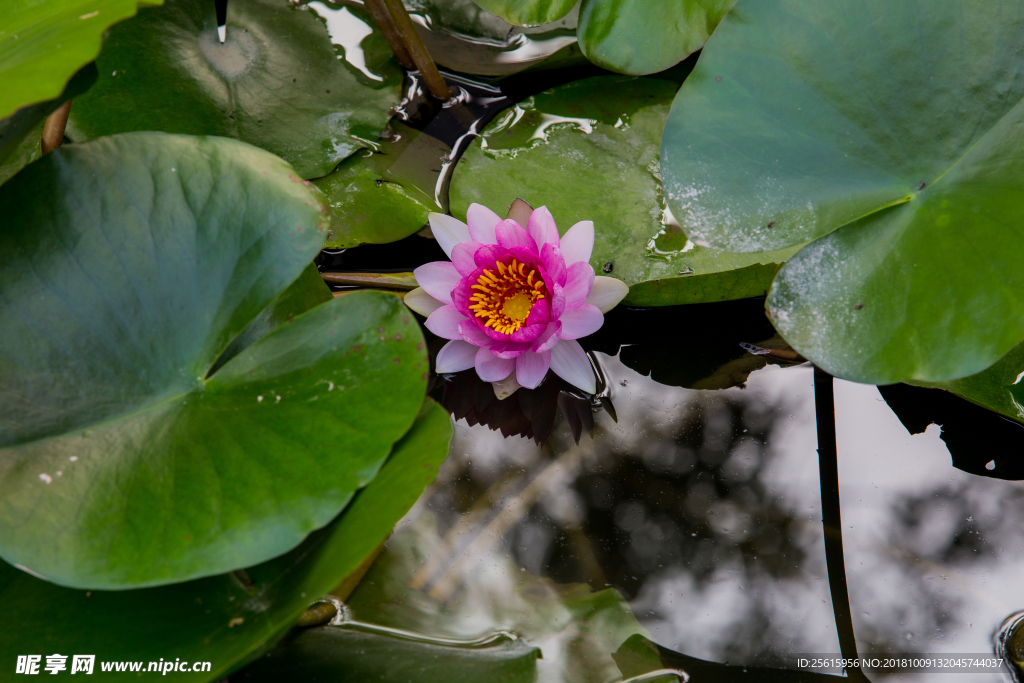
<point>504,299</point>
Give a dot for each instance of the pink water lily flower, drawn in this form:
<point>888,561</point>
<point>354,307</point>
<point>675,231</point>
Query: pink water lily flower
<point>513,300</point>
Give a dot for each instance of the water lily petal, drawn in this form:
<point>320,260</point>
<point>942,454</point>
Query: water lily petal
<point>511,234</point>
<point>472,333</point>
<point>607,292</point>
<point>464,257</point>
<point>438,278</point>
<point>557,302</point>
<point>444,322</point>
<point>548,338</point>
<point>461,294</point>
<point>540,314</point>
<point>569,361</point>
<point>579,281</point>
<point>578,243</point>
<point>554,263</point>
<point>448,231</point>
<point>421,302</point>
<point>542,227</point>
<point>579,323</point>
<point>489,367</point>
<point>528,333</point>
<point>455,356</point>
<point>508,349</point>
<point>487,255</point>
<point>531,368</point>
<point>482,222</point>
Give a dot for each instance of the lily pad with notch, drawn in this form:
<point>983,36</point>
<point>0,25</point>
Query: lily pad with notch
<point>129,264</point>
<point>795,127</point>
<point>589,150</point>
<point>227,619</point>
<point>277,82</point>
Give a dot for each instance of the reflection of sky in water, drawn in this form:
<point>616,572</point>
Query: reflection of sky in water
<point>348,31</point>
<point>933,554</point>
<point>703,509</point>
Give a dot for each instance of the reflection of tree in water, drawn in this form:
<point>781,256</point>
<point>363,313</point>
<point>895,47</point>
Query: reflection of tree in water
<point>959,522</point>
<point>937,536</point>
<point>691,499</point>
<point>673,494</point>
<point>684,507</point>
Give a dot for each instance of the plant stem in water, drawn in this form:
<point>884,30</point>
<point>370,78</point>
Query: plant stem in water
<point>53,129</point>
<point>382,17</point>
<point>418,51</point>
<point>828,473</point>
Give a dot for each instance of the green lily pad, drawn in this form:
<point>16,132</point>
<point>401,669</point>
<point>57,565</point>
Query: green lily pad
<point>43,43</point>
<point>307,292</point>
<point>369,203</point>
<point>222,619</point>
<point>463,37</point>
<point>23,153</point>
<point>629,37</point>
<point>128,265</point>
<point>638,656</point>
<point>577,629</point>
<point>278,82</point>
<point>332,653</point>
<point>530,12</point>
<point>589,150</point>
<point>998,388</point>
<point>795,126</point>
<point>625,36</point>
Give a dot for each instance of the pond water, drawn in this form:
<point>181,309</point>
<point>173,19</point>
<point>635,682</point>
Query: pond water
<point>702,508</point>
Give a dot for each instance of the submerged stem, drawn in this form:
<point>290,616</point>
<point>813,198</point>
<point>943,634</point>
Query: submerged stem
<point>53,129</point>
<point>828,472</point>
<point>403,23</point>
<point>401,281</point>
<point>382,17</point>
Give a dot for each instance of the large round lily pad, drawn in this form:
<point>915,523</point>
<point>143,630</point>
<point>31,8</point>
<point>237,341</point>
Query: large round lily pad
<point>44,42</point>
<point>278,82</point>
<point>626,36</point>
<point>589,151</point>
<point>127,266</point>
<point>222,619</point>
<point>888,134</point>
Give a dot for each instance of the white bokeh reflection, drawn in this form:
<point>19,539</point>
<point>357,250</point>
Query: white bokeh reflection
<point>933,554</point>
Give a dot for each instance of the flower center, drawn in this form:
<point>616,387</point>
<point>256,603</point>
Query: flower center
<point>504,299</point>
